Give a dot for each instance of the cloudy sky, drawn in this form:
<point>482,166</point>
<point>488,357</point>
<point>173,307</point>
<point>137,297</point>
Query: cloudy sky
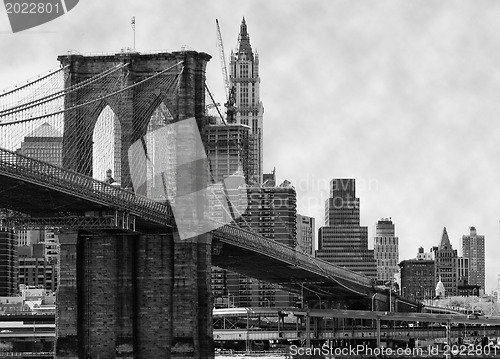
<point>404,96</point>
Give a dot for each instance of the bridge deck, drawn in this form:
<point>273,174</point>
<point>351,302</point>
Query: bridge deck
<point>43,190</point>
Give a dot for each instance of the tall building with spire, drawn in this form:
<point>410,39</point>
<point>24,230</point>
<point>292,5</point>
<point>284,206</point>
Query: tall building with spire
<point>446,264</point>
<point>451,270</point>
<point>244,79</point>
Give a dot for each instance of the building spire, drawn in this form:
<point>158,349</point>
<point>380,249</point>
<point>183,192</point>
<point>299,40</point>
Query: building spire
<point>244,49</point>
<point>445,241</point>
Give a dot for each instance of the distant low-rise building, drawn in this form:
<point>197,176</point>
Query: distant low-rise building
<point>418,278</point>
<point>35,270</point>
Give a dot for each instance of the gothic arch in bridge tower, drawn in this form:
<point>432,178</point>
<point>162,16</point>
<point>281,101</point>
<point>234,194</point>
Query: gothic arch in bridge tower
<point>133,85</point>
<point>150,103</point>
<point>160,142</point>
<point>106,145</point>
<point>80,130</point>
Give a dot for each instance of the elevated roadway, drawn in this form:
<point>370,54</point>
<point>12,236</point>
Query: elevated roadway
<point>56,197</point>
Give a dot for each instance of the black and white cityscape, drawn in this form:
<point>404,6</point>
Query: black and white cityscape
<point>276,180</point>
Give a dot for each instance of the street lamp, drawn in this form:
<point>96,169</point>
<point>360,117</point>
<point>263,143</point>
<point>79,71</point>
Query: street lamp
<point>268,302</point>
<point>390,294</point>
<point>373,298</point>
<point>491,303</point>
<point>302,295</point>
<point>390,299</point>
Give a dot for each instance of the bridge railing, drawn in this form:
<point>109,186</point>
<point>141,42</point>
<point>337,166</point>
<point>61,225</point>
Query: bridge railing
<point>253,241</point>
<point>83,186</point>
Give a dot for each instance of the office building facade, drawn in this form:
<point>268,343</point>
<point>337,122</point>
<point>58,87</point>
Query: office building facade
<point>8,267</point>
<point>418,279</point>
<point>342,241</point>
<point>386,250</point>
<point>228,149</point>
<point>450,269</point>
<point>305,234</point>
<point>272,213</point>
<point>473,248</point>
<point>44,144</point>
<point>34,269</point>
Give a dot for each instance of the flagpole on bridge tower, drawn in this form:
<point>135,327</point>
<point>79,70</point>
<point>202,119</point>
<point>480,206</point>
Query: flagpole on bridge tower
<point>133,28</point>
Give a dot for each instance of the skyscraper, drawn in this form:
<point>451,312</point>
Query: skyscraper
<point>305,234</point>
<point>44,144</point>
<point>473,248</point>
<point>244,78</point>
<point>272,212</point>
<point>8,269</point>
<point>228,150</point>
<point>386,250</point>
<point>342,241</point>
<point>450,270</point>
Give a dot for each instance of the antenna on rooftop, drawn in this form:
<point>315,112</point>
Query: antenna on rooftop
<point>132,22</point>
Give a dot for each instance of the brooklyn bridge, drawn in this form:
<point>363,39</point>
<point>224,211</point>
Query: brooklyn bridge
<point>136,254</point>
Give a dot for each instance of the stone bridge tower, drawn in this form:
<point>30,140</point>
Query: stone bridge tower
<point>142,293</point>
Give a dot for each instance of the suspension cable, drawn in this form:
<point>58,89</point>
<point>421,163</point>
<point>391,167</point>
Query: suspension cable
<point>62,93</point>
<point>33,82</point>
<point>92,101</point>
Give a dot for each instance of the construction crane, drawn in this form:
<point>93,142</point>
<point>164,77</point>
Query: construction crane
<point>230,90</point>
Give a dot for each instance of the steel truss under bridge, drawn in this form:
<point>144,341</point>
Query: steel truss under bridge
<point>46,175</point>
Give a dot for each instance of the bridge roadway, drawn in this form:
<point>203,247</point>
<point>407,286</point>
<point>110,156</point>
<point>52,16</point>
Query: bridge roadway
<point>258,324</point>
<point>53,196</point>
<point>355,334</point>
